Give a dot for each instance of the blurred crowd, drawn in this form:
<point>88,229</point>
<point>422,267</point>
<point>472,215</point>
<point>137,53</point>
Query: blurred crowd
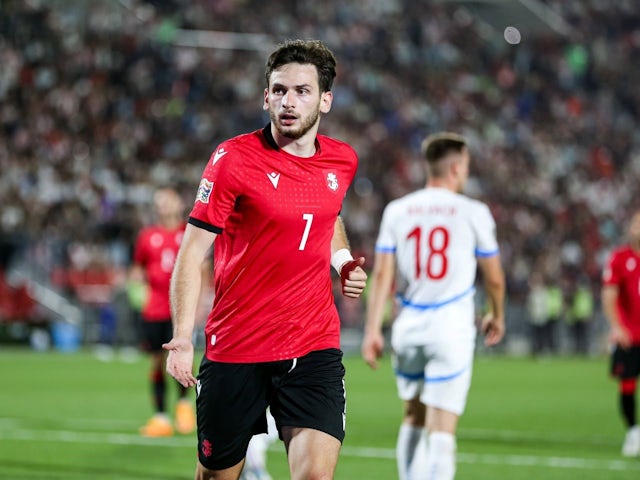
<point>100,102</point>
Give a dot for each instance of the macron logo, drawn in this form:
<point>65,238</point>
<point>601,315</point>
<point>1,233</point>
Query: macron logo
<point>274,177</point>
<point>221,152</point>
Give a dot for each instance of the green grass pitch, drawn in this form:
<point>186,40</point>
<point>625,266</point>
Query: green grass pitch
<point>70,416</point>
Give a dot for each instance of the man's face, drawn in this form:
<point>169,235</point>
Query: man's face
<point>167,203</point>
<point>294,100</point>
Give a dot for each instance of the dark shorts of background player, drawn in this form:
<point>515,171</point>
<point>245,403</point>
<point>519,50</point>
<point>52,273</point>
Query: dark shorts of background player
<point>307,392</point>
<point>625,363</point>
<point>154,334</point>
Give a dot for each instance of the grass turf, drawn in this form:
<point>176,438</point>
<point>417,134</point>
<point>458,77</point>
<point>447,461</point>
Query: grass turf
<point>71,416</point>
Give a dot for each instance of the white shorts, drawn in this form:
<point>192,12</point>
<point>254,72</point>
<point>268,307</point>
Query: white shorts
<point>440,375</point>
<point>432,362</point>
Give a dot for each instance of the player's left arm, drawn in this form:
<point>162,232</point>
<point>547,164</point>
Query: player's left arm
<point>352,275</point>
<point>493,325</point>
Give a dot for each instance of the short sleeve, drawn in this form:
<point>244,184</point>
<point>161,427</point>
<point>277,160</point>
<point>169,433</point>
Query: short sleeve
<point>218,190</point>
<point>485,227</point>
<point>386,242</point>
<point>610,274</point>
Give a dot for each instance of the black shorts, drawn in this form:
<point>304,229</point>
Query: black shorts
<point>625,363</point>
<point>231,403</point>
<point>154,334</point>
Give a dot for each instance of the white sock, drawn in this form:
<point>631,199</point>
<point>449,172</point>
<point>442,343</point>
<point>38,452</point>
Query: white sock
<point>441,463</point>
<point>408,438</point>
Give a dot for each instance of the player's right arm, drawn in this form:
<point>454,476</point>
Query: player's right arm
<point>186,284</point>
<point>380,285</point>
<point>618,334</point>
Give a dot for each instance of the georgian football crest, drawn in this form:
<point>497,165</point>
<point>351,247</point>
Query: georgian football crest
<point>332,181</point>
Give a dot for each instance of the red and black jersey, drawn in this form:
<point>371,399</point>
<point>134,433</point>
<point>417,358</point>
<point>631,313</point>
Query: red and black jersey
<point>623,271</point>
<point>156,250</point>
<point>274,214</point>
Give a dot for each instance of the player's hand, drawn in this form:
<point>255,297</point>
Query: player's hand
<point>180,361</point>
<point>353,278</point>
<point>372,347</point>
<point>493,329</point>
<point>620,336</point>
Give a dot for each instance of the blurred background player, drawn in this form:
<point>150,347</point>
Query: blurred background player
<point>154,255</point>
<point>436,238</point>
<point>621,306</point>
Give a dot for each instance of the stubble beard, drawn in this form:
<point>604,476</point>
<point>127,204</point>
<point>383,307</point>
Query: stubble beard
<point>295,133</point>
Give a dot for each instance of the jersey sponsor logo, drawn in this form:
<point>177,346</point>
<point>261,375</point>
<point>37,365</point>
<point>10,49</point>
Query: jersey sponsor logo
<point>274,177</point>
<point>204,191</point>
<point>221,152</point>
<point>332,181</point>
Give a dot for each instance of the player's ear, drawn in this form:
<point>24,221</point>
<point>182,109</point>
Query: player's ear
<point>454,165</point>
<point>326,100</point>
<point>265,104</point>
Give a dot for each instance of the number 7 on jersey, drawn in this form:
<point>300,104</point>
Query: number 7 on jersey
<point>308,218</point>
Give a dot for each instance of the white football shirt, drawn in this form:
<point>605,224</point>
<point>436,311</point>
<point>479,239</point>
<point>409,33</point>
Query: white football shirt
<point>436,235</point>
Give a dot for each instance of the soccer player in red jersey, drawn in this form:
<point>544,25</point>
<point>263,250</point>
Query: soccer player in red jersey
<point>621,305</point>
<point>154,256</point>
<point>269,202</point>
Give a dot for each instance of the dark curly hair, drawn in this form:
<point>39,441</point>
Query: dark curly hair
<point>312,52</point>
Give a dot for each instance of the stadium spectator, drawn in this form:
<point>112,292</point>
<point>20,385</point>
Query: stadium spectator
<point>545,304</point>
<point>579,315</point>
<point>101,102</point>
<point>270,200</point>
<point>435,239</point>
<point>621,305</point>
<point>537,311</point>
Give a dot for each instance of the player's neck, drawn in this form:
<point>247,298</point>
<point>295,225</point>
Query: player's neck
<point>171,223</point>
<point>445,183</point>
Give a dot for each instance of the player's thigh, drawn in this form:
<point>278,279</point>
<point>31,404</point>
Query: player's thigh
<point>310,394</point>
<point>231,407</point>
<point>409,363</point>
<point>448,375</point>
<point>625,362</point>
<point>311,453</point>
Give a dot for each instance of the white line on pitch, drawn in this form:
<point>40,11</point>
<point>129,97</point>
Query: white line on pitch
<point>363,452</point>
<point>107,425</point>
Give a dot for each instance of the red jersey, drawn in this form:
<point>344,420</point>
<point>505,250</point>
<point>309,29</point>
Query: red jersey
<point>155,250</point>
<point>623,271</point>
<point>274,214</point>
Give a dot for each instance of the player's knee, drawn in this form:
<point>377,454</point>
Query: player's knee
<point>203,473</point>
<point>414,413</point>
<point>318,475</point>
